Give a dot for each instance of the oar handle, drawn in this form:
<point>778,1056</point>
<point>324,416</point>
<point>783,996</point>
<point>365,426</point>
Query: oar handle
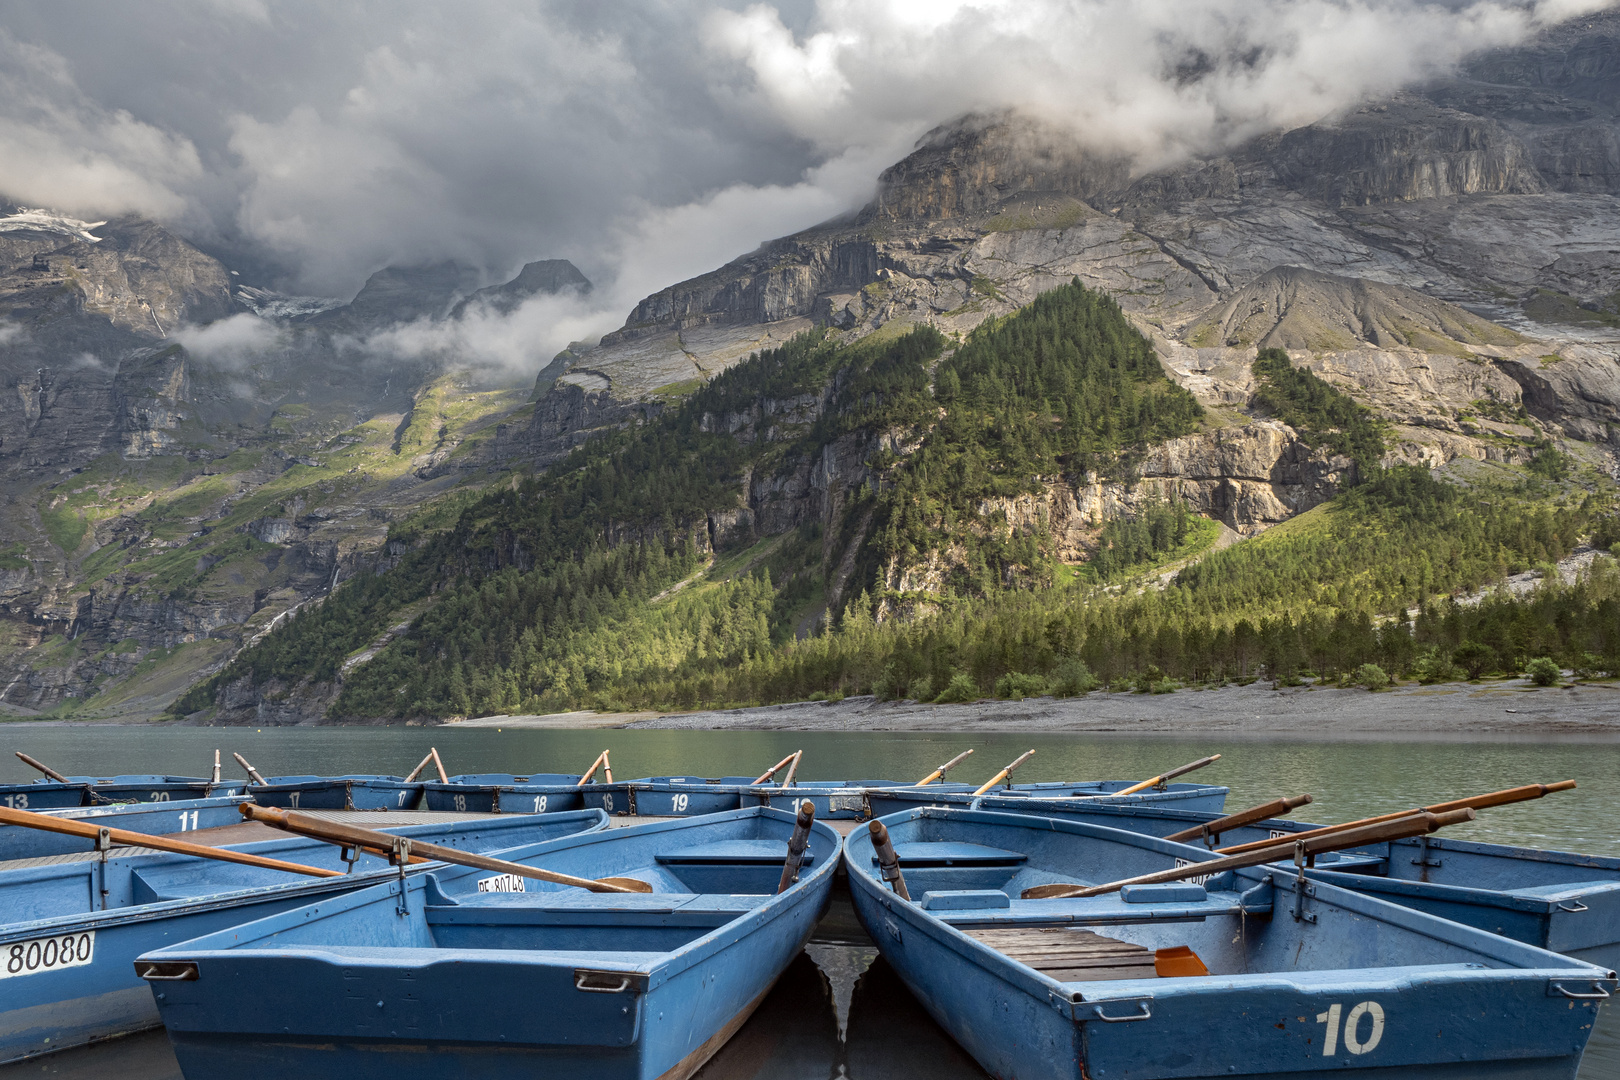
<point>1272,809</point>
<point>424,763</point>
<point>939,773</point>
<point>773,770</point>
<point>42,767</point>
<point>433,752</point>
<point>793,769</point>
<point>796,845</point>
<point>250,770</point>
<point>353,836</point>
<point>1004,773</point>
<point>1475,802</point>
<point>1166,777</point>
<point>1503,798</point>
<point>93,833</point>
<point>590,772</point>
<point>888,861</point>
<point>1411,825</point>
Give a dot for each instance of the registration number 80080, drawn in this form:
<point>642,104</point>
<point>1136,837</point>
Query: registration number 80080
<point>47,954</point>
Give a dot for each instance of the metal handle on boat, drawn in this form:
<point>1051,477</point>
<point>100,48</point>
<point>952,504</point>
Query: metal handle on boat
<point>1145,1014</point>
<point>1597,994</point>
<point>1578,906</point>
<point>167,971</point>
<point>582,981</point>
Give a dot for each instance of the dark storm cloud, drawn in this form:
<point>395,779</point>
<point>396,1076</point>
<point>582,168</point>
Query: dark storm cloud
<point>314,142</point>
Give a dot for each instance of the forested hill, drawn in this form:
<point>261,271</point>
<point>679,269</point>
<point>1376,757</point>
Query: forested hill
<point>920,516</point>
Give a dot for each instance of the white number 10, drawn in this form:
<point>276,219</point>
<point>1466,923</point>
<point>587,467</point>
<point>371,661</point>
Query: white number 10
<point>1352,1028</point>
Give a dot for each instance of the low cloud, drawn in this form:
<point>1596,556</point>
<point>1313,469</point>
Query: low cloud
<point>313,143</point>
<point>230,343</point>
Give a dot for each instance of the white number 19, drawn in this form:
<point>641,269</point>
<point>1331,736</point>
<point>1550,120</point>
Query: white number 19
<point>1352,1028</point>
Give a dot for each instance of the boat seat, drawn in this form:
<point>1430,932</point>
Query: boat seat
<point>154,886</point>
<point>733,853</point>
<point>1562,890</point>
<point>921,854</point>
<point>585,902</point>
<point>1069,955</point>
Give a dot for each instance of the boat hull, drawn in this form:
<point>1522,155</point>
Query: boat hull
<point>1498,1017</point>
<point>1202,798</point>
<point>138,788</point>
<point>44,795</point>
<point>337,793</point>
<point>154,819</point>
<point>98,996</point>
<point>508,797</point>
<point>475,1000</point>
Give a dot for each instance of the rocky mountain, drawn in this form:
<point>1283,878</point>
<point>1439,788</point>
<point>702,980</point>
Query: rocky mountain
<point>160,505</point>
<point>1449,257</point>
<point>1496,190</point>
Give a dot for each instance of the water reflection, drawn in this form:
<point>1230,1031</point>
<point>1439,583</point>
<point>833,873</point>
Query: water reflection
<point>840,1011</point>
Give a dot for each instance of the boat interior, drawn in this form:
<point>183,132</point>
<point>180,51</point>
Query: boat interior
<point>704,875</point>
<point>968,870</point>
<point>83,882</point>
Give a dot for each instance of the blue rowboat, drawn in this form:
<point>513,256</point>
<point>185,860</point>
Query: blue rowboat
<point>1558,900</point>
<point>76,923</point>
<point>504,793</point>
<point>450,981</point>
<point>354,792</point>
<point>1200,797</point>
<point>668,796</point>
<point>1248,973</point>
<point>138,787</point>
<point>184,816</point>
<point>834,799</point>
<point>43,795</point>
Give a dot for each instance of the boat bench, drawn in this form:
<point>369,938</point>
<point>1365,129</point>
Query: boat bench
<point>656,922</point>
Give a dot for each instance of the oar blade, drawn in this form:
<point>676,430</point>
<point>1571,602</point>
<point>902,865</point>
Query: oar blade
<point>630,883</point>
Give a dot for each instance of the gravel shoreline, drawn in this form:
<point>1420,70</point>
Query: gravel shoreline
<point>1493,711</point>
<point>1510,709</point>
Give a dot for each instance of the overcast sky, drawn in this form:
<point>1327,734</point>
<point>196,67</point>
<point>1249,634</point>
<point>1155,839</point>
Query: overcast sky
<point>310,141</point>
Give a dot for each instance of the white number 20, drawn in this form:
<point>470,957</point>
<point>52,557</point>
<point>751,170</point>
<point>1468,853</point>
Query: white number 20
<point>1352,1028</point>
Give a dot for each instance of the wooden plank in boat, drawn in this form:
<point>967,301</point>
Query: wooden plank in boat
<point>1070,955</point>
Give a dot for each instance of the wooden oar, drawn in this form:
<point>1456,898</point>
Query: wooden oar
<point>213,777</point>
<point>1399,829</point>
<point>419,767</point>
<point>1004,773</point>
<point>355,837</point>
<point>44,768</point>
<point>433,752</point>
<point>793,769</point>
<point>888,861</point>
<point>1274,808</point>
<point>93,833</point>
<point>253,774</point>
<point>1164,778</point>
<point>796,844</point>
<point>939,773</point>
<point>95,796</point>
<point>1477,802</point>
<point>601,760</point>
<point>774,769</point>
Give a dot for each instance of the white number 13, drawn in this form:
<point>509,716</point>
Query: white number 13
<point>1352,1028</point>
